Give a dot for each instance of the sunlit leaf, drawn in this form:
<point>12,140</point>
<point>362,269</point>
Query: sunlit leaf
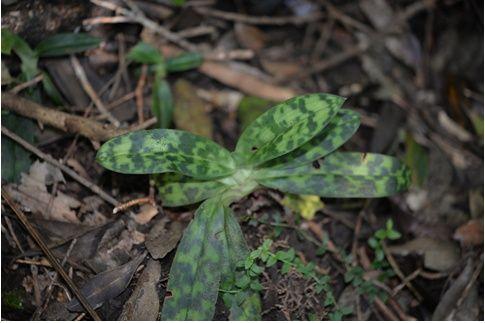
<point>166,150</point>
<point>286,127</point>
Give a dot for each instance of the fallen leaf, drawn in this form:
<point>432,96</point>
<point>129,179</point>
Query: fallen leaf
<point>161,240</point>
<point>144,304</point>
<point>106,285</point>
<point>281,69</point>
<point>147,212</point>
<point>189,110</point>
<point>470,233</point>
<point>249,36</point>
<point>439,255</point>
<point>32,194</point>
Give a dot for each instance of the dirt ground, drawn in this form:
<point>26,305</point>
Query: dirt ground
<point>411,69</point>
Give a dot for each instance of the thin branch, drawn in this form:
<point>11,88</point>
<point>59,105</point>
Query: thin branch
<point>139,93</point>
<point>27,84</point>
<point>81,75</point>
<point>38,239</point>
<point>93,187</point>
<point>258,20</point>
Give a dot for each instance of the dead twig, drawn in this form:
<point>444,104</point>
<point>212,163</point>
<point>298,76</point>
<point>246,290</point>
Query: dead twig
<point>399,273</point>
<point>258,20</point>
<point>38,239</point>
<point>139,92</point>
<point>139,201</point>
<point>27,84</point>
<point>81,75</point>
<point>93,187</point>
<point>65,121</point>
<point>106,20</point>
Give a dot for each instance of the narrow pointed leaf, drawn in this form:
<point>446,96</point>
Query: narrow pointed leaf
<point>166,150</point>
<point>286,127</point>
<point>196,270</point>
<point>162,102</point>
<point>106,285</point>
<point>343,186</point>
<point>246,304</point>
<point>338,131</point>
<point>145,54</point>
<point>65,44</point>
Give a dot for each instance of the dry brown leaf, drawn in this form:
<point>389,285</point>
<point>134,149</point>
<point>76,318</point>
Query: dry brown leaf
<point>281,69</point>
<point>470,233</point>
<point>32,194</point>
<point>147,212</point>
<point>249,36</point>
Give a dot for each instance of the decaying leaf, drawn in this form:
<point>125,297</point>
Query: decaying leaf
<point>106,285</point>
<point>440,255</point>
<point>470,233</point>
<point>163,238</point>
<point>32,193</point>
<point>189,111</point>
<point>249,36</point>
<point>147,212</point>
<point>144,304</point>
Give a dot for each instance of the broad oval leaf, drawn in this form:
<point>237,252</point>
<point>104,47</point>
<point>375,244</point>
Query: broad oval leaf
<point>195,275</point>
<point>286,127</point>
<point>65,44</point>
<point>338,131</point>
<point>341,174</point>
<point>343,186</point>
<point>188,192</point>
<point>166,150</point>
<point>342,163</point>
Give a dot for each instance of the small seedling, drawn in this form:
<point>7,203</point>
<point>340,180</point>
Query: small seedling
<point>289,148</point>
<point>162,102</point>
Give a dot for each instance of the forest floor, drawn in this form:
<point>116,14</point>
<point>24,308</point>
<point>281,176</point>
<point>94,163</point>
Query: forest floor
<point>411,69</point>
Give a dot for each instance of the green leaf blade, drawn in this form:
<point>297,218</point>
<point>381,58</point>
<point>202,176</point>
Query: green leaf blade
<point>183,62</point>
<point>145,54</point>
<point>166,150</point>
<point>196,272</point>
<point>338,131</point>
<point>286,127</point>
<point>188,192</point>
<point>162,102</point>
<point>65,44</point>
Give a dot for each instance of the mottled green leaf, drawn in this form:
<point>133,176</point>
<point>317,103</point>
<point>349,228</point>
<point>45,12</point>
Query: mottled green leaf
<point>250,108</point>
<point>342,163</point>
<point>145,54</point>
<point>188,191</point>
<point>417,159</point>
<point>338,131</point>
<point>347,174</point>
<point>166,150</point>
<point>162,103</point>
<point>183,62</point>
<point>286,127</point>
<point>196,270</point>
<point>244,305</point>
<point>66,43</point>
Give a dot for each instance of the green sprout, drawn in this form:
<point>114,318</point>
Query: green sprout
<point>291,148</point>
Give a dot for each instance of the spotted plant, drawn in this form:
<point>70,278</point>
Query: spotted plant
<point>289,148</point>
